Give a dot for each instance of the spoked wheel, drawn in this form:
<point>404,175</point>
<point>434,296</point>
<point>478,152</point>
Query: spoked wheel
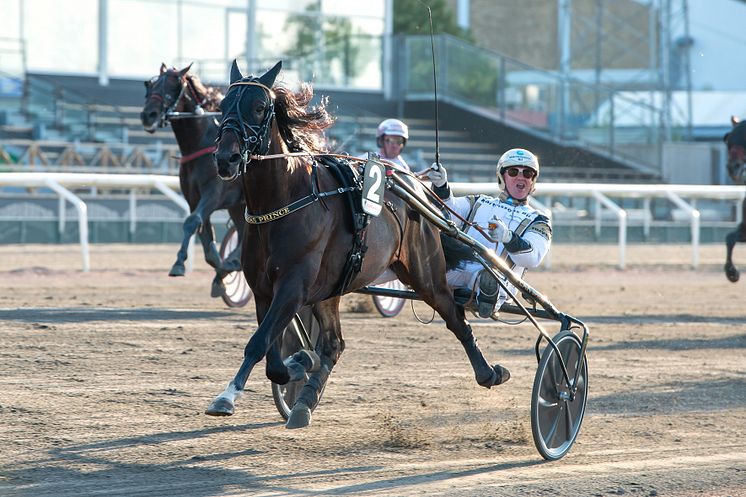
<point>285,395</point>
<point>555,418</point>
<point>237,292</point>
<point>389,307</point>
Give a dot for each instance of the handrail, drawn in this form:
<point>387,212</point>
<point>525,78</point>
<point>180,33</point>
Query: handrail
<point>602,192</point>
<point>674,193</point>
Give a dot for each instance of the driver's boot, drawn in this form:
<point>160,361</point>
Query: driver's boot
<point>487,295</point>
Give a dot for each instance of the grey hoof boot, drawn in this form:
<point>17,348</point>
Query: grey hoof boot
<point>499,376</point>
<point>217,289</point>
<point>177,270</point>
<point>302,362</point>
<point>300,416</point>
<point>220,407</point>
<point>487,295</point>
<point>731,272</point>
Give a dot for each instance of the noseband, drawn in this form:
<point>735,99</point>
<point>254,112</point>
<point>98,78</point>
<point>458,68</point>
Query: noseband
<point>253,139</point>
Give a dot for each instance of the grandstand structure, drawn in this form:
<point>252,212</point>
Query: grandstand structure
<point>584,131</point>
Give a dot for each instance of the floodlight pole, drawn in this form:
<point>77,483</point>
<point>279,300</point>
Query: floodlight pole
<point>103,46</point>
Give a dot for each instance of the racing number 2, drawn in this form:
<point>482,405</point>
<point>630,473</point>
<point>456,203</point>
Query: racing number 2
<point>373,188</point>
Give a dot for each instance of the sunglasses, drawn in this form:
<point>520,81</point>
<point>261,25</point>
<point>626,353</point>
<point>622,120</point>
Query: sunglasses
<point>527,173</point>
<point>394,141</point>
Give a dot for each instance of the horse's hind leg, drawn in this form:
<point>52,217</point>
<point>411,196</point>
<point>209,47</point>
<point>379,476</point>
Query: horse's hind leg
<point>441,299</point>
<point>232,261</point>
<point>191,223</point>
<point>212,256</point>
<point>427,277</point>
<point>739,235</point>
<point>329,348</point>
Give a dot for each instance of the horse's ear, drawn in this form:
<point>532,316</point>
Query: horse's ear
<point>734,120</point>
<point>268,78</point>
<point>185,70</point>
<point>235,73</point>
<point>163,68</point>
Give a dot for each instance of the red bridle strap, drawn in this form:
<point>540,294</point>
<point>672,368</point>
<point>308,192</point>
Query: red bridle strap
<point>197,154</point>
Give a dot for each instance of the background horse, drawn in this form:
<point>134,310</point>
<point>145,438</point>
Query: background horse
<point>303,235</point>
<point>736,142</point>
<point>177,97</point>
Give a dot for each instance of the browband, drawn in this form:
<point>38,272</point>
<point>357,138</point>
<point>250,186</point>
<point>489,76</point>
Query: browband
<point>253,83</point>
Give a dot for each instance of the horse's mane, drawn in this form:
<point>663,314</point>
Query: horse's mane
<point>208,95</point>
<point>301,127</point>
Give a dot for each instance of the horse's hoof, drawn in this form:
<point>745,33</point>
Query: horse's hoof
<point>499,376</point>
<point>302,362</point>
<point>732,273</point>
<point>220,407</point>
<point>218,288</point>
<point>177,270</point>
<point>300,416</point>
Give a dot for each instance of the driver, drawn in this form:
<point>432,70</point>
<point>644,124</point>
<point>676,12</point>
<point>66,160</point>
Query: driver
<point>391,138</point>
<point>519,233</point>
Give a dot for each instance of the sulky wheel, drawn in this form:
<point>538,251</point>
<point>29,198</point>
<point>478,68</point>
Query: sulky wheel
<point>389,307</point>
<point>555,417</point>
<point>285,395</point>
<point>237,292</point>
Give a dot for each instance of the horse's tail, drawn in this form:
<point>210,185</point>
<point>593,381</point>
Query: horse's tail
<point>457,253</point>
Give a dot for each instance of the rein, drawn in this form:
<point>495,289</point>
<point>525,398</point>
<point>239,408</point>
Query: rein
<point>195,155</point>
<point>281,212</point>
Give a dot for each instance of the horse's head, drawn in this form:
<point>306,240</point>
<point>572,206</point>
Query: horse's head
<point>248,110</point>
<point>162,95</point>
<point>735,140</point>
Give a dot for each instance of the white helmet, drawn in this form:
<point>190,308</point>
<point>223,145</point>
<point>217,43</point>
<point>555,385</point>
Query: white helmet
<point>516,157</point>
<point>392,127</point>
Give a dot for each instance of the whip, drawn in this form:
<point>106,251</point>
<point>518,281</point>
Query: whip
<point>435,85</point>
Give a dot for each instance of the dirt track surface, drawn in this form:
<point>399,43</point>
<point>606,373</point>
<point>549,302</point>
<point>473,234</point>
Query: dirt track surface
<point>106,374</point>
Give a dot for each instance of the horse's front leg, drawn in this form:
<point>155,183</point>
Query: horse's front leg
<point>191,223</point>
<point>277,317</point>
<point>739,235</point>
<point>329,348</point>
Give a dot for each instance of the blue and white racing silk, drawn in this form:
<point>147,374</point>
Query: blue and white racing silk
<point>532,237</point>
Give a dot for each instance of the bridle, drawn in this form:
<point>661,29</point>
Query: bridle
<point>253,139</point>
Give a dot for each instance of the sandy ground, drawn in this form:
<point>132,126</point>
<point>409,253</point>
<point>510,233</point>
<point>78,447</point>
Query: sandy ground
<point>106,374</point>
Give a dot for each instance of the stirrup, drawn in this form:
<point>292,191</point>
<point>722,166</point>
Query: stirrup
<point>487,295</point>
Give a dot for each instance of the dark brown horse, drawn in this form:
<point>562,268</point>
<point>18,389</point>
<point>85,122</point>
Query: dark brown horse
<point>736,142</point>
<point>299,255</point>
<point>179,98</point>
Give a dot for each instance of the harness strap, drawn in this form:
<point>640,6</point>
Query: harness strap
<point>194,155</point>
<point>473,208</point>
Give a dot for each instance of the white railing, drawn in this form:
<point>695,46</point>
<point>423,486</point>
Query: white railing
<point>603,194</point>
<point>61,183</point>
